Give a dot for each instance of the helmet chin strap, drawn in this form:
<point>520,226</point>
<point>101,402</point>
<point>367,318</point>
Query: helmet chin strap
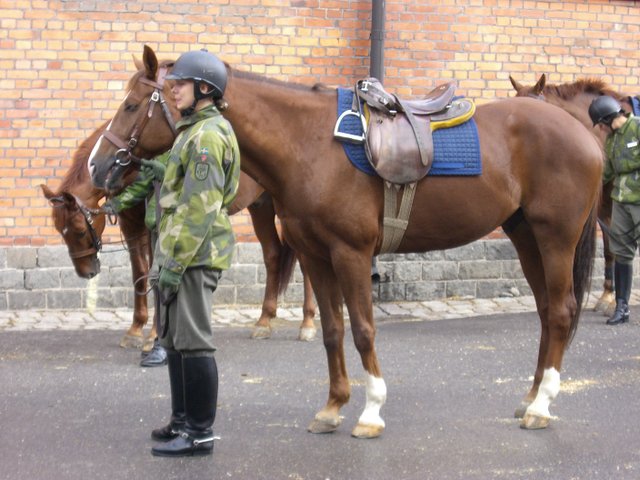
<point>197,96</point>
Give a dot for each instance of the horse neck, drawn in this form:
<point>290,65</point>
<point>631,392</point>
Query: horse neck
<point>78,182</point>
<point>276,126</point>
<point>578,107</point>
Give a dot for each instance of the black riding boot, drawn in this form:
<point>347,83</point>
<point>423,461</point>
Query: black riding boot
<point>623,279</point>
<point>200,399</point>
<point>178,417</point>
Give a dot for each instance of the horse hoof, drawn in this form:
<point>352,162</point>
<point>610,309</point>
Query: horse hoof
<point>307,334</point>
<point>261,333</point>
<point>605,302</point>
<point>130,341</point>
<point>147,346</point>
<point>521,410</point>
<point>534,422</point>
<point>367,431</point>
<point>611,308</point>
<point>324,424</point>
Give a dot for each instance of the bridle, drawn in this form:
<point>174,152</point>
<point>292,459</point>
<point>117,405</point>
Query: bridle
<point>124,155</point>
<point>88,214</point>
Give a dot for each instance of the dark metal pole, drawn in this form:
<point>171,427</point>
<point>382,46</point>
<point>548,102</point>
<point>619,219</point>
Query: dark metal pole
<point>376,68</point>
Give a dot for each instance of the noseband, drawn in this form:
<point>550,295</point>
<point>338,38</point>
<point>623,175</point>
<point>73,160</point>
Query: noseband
<point>88,214</point>
<point>124,155</point>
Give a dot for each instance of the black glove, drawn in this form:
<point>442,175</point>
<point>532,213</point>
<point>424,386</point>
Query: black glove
<point>154,169</point>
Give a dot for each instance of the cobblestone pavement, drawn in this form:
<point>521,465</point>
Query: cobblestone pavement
<point>118,319</point>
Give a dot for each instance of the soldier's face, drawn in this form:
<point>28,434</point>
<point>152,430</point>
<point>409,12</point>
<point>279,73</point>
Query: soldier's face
<point>183,93</point>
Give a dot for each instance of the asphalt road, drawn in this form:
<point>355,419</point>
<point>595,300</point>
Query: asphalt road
<point>73,405</point>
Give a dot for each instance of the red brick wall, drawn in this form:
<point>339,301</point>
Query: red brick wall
<point>64,64</point>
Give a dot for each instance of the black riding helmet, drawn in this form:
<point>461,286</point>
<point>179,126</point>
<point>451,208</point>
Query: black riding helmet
<point>604,109</point>
<point>201,66</point>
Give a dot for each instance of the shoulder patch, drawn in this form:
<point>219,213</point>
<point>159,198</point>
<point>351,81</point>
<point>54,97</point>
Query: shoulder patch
<point>201,171</point>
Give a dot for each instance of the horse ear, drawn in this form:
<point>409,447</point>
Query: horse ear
<point>69,200</point>
<point>515,83</point>
<point>150,62</point>
<point>137,62</point>
<point>47,192</point>
<point>539,87</point>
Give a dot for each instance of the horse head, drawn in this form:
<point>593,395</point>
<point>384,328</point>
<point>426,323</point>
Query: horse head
<point>81,228</point>
<point>138,129</point>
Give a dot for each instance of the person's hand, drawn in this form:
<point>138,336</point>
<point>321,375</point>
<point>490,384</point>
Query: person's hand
<point>153,168</point>
<point>169,282</point>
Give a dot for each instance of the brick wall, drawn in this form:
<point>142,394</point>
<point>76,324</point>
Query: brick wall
<point>64,64</point>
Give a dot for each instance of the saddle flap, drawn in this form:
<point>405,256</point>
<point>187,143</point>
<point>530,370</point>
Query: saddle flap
<point>392,149</point>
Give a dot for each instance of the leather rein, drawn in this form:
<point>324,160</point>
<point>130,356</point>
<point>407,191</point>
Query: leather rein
<point>124,155</point>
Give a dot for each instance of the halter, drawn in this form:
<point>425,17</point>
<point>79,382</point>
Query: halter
<point>88,214</point>
<point>124,156</point>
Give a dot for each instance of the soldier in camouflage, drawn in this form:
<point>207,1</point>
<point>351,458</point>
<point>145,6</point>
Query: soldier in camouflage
<point>195,244</point>
<point>622,165</point>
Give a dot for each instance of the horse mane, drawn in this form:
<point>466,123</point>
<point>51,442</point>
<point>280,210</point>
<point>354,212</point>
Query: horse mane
<point>591,86</point>
<point>78,172</point>
<point>273,81</point>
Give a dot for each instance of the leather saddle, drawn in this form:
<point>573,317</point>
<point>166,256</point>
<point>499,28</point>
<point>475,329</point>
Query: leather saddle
<point>398,133</point>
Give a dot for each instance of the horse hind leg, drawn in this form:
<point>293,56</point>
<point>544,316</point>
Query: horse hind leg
<point>531,263</point>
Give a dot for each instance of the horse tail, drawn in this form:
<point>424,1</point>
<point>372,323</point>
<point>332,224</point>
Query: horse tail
<point>583,266</point>
<point>287,262</point>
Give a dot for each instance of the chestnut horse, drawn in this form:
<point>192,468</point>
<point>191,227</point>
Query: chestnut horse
<point>575,98</point>
<point>80,221</point>
<point>540,180</point>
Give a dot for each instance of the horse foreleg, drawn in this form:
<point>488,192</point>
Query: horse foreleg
<point>138,243</point>
<point>354,274</point>
<point>607,301</point>
<point>307,327</point>
<point>263,219</point>
<point>329,299</point>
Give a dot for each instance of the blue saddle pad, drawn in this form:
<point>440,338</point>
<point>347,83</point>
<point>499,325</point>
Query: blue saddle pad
<point>635,105</point>
<point>456,150</point>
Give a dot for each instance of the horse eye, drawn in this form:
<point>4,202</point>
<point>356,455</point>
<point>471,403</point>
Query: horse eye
<point>131,107</point>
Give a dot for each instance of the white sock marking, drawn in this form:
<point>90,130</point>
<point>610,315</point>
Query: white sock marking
<point>376,397</point>
<point>548,391</point>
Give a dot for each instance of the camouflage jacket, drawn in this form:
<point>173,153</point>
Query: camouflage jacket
<point>200,182</point>
<point>622,164</point>
<point>141,189</point>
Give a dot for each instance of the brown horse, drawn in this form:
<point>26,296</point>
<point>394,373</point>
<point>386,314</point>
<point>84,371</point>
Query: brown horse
<point>81,222</point>
<point>78,218</point>
<point>575,98</point>
<point>540,180</point>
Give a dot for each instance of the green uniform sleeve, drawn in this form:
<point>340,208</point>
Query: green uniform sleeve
<point>138,191</point>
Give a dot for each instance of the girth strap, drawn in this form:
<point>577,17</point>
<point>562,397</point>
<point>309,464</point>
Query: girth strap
<point>395,221</point>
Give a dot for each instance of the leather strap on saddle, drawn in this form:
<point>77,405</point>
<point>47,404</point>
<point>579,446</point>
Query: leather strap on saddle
<point>395,221</point>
